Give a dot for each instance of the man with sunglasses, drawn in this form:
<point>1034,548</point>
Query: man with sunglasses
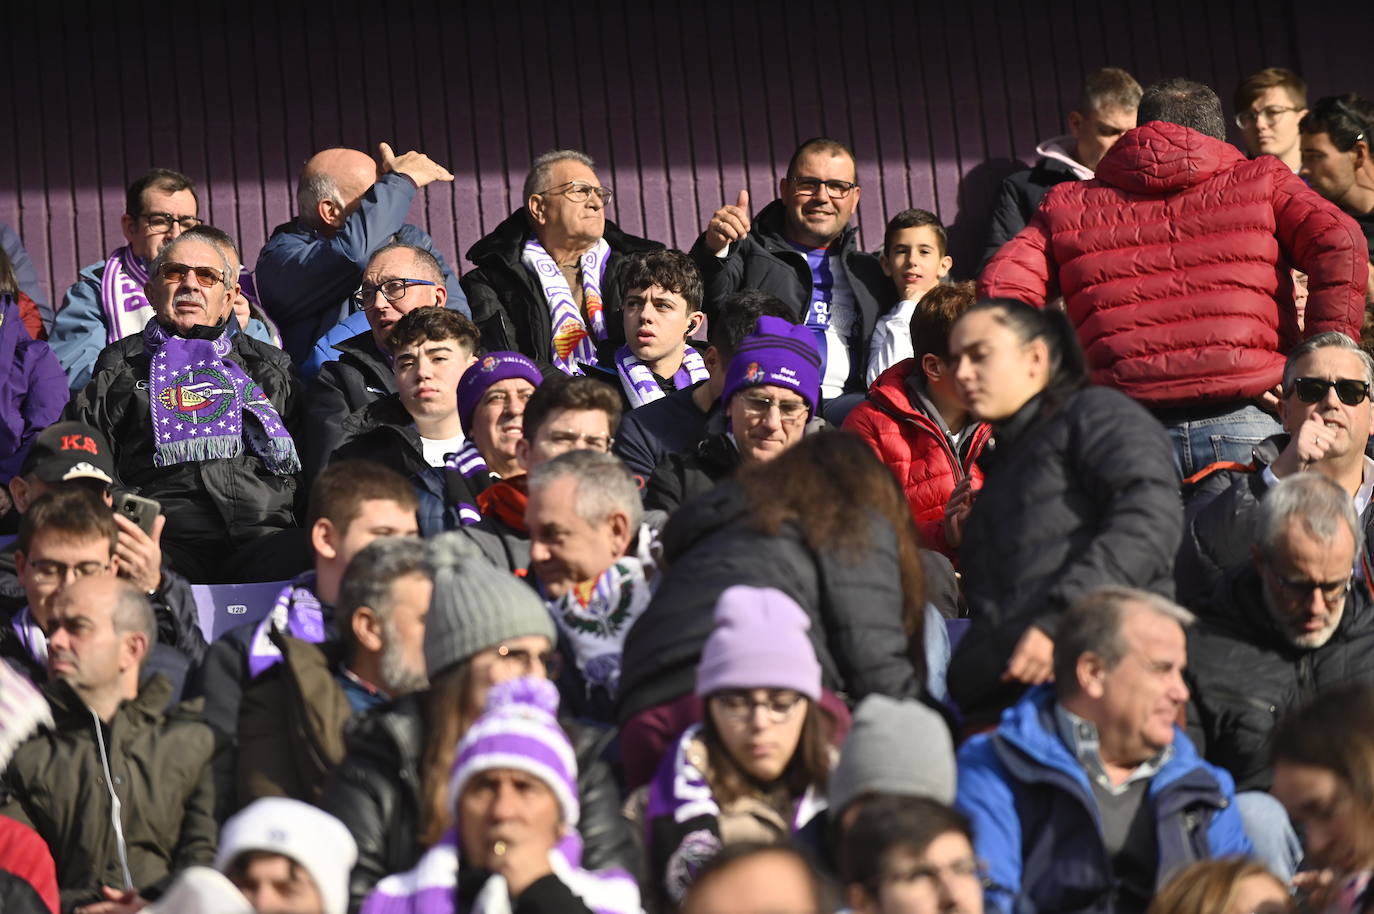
<point>803,249</point>
<point>1289,622</point>
<point>545,283</point>
<point>1327,418</point>
<point>107,302</point>
<point>200,418</point>
<point>348,209</point>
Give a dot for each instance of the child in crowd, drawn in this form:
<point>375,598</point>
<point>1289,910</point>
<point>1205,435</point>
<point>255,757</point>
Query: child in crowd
<point>916,259</point>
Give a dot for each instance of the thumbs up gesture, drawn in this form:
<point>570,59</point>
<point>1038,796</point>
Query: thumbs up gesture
<point>728,224</point>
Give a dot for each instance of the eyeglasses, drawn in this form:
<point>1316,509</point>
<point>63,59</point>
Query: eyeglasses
<point>578,192</point>
<point>161,223</point>
<point>1301,588</point>
<point>572,440</point>
<point>792,412</point>
<point>524,660</point>
<point>48,570</point>
<point>393,290</point>
<point>1271,114</point>
<point>1349,391</point>
<point>739,706</point>
<point>176,272</point>
<point>933,876</point>
<point>809,187</point>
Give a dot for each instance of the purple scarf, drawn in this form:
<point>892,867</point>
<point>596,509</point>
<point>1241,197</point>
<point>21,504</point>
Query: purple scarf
<point>431,886</point>
<point>198,397</point>
<point>638,380</point>
<point>469,463</point>
<point>298,613</point>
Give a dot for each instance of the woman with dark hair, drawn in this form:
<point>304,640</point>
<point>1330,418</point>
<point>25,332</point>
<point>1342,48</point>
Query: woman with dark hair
<point>826,523</point>
<point>756,767</point>
<point>1324,777</point>
<point>1079,491</point>
<point>484,628</point>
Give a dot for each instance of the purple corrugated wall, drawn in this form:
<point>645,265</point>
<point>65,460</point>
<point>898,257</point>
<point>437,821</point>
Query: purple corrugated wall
<point>681,104</point>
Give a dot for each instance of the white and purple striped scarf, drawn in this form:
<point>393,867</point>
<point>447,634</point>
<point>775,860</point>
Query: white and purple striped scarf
<point>198,397</point>
<point>126,308</point>
<point>298,613</point>
<point>639,383</point>
<point>469,463</point>
<point>430,888</point>
<point>571,342</point>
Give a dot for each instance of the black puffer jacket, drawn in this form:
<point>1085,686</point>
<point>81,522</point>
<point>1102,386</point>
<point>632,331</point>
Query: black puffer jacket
<point>681,478</point>
<point>209,504</point>
<point>359,376</point>
<point>765,260</point>
<point>1083,497</point>
<point>1019,198</point>
<point>376,792</point>
<point>507,302</point>
<point>855,605</point>
<point>1245,675</point>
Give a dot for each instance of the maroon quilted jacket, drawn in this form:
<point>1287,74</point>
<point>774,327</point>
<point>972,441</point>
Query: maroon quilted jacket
<point>917,452</point>
<point>1174,264</point>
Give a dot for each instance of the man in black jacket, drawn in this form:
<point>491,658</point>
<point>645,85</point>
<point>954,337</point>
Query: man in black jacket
<point>399,278</point>
<point>802,249</point>
<point>200,417</point>
<point>545,283</point>
<point>1105,110</point>
<point>1289,624</point>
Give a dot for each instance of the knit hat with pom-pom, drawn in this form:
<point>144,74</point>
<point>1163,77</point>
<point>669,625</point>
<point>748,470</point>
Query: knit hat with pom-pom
<point>475,605</point>
<point>519,729</point>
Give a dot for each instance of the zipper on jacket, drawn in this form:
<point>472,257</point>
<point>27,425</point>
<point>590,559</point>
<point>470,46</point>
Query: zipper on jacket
<point>115,818</point>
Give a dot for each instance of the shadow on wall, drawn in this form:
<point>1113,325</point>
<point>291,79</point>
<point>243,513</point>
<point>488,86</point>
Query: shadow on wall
<point>977,194</point>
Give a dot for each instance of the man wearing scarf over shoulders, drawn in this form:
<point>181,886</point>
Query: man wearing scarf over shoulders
<point>199,418</point>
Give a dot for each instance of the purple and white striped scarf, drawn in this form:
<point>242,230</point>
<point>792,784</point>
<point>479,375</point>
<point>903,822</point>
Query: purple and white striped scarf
<point>198,397</point>
<point>572,341</point>
<point>432,885</point>
<point>126,308</point>
<point>298,613</point>
<point>469,463</point>
<point>639,383</point>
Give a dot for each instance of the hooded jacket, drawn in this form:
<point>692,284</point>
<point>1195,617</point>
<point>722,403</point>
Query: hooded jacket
<point>58,784</point>
<point>1023,190</point>
<point>1174,263</point>
<point>507,302</point>
<point>1245,675</point>
<point>912,445</point>
<point>1035,819</point>
<point>377,792</point>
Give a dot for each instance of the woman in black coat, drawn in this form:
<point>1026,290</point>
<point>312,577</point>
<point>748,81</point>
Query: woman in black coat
<point>1079,492</point>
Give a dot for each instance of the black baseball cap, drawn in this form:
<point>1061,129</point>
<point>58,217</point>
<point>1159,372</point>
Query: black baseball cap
<point>69,450</point>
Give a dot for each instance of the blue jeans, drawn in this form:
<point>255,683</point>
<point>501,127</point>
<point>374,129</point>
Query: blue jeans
<point>1267,826</point>
<point>1226,436</point>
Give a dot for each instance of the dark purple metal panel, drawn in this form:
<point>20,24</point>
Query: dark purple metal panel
<point>681,105</point>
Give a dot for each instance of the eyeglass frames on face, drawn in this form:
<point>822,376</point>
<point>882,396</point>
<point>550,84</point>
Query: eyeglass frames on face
<point>1270,115</point>
<point>176,272</point>
<point>393,290</point>
<point>161,223</point>
<point>791,412</point>
<point>1349,391</point>
<point>740,706</point>
<point>809,187</point>
<point>578,192</point>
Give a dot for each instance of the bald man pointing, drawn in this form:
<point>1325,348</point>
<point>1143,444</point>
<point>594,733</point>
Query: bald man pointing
<point>348,209</point>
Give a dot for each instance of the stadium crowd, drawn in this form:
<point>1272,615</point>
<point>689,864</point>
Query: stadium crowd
<point>776,576</point>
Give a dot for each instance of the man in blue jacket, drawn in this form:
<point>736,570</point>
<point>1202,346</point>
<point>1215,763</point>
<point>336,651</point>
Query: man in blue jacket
<point>348,210</point>
<point>1088,796</point>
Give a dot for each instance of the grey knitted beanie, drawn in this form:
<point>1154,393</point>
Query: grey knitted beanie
<point>894,747</point>
<point>476,605</point>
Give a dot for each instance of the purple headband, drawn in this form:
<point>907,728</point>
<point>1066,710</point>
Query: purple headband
<point>486,371</point>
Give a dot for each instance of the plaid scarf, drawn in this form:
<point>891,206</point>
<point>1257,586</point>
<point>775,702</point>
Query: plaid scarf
<point>198,397</point>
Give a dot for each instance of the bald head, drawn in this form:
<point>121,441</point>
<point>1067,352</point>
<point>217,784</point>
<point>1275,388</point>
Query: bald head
<point>331,185</point>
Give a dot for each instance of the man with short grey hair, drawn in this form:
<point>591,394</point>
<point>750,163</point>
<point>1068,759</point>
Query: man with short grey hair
<point>1094,769</point>
<point>545,283</point>
<point>349,207</point>
<point>584,516</point>
<point>1327,417</point>
<point>1289,623</point>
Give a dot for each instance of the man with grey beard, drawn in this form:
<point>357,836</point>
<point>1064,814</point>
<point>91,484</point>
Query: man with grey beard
<point>383,600</point>
<point>1294,621</point>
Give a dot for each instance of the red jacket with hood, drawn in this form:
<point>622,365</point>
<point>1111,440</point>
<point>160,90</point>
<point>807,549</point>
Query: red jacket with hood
<point>1174,265</point>
<point>912,445</point>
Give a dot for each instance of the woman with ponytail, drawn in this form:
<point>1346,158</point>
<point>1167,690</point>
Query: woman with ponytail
<point>1079,491</point>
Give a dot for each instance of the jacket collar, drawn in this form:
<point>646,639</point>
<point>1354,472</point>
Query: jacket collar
<point>150,702</point>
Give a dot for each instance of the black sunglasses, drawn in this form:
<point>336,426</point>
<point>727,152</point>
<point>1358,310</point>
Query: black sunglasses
<point>1348,390</point>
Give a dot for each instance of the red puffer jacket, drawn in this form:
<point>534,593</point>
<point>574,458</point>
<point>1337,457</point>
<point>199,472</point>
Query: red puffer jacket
<point>1174,263</point>
<point>910,442</point>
